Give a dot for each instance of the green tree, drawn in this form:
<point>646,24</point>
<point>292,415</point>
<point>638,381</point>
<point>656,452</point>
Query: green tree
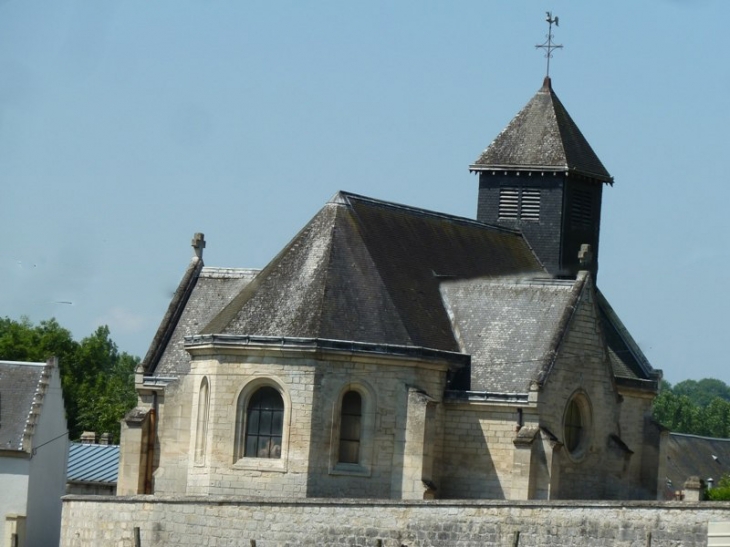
<point>714,418</point>
<point>676,412</point>
<point>696,407</point>
<point>105,388</point>
<point>722,491</point>
<point>97,380</point>
<point>704,391</point>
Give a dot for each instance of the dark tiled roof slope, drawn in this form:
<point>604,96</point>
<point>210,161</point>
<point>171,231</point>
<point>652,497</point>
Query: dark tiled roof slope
<point>212,290</point>
<point>93,463</point>
<point>691,455</point>
<point>543,137</point>
<point>627,359</point>
<point>369,271</point>
<point>511,328</point>
<point>19,384</point>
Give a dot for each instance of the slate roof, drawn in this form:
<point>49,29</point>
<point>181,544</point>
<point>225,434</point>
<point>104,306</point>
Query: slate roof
<point>630,365</point>
<point>22,387</point>
<point>202,293</point>
<point>369,271</point>
<point>543,137</point>
<point>692,455</point>
<point>93,463</point>
<point>511,327</point>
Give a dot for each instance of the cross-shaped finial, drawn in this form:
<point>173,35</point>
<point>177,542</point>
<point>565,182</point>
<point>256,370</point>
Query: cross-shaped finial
<point>548,45</point>
<point>198,244</point>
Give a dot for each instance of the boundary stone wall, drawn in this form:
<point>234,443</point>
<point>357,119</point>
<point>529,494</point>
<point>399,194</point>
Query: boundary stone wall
<point>226,522</point>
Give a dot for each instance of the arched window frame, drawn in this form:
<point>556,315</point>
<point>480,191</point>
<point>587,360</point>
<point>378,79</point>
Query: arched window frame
<point>576,449</point>
<point>367,431</point>
<point>238,437</point>
<point>201,424</point>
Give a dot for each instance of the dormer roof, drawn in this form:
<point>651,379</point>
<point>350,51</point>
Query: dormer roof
<point>543,137</point>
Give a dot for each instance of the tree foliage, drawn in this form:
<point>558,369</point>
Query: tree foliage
<point>696,407</point>
<point>722,491</point>
<point>97,380</point>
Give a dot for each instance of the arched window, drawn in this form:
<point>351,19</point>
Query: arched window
<point>573,426</point>
<point>201,430</point>
<point>350,428</point>
<point>263,423</point>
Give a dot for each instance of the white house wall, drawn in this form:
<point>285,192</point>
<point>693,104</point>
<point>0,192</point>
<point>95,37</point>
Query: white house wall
<point>48,468</point>
<point>13,489</point>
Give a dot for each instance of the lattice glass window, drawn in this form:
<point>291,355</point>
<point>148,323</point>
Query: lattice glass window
<point>519,203</point>
<point>350,427</point>
<point>264,424</point>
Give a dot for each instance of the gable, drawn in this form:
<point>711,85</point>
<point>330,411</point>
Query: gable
<point>582,342</point>
<point>213,288</point>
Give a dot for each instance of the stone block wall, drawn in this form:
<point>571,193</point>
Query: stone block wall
<point>477,452</point>
<point>391,465</point>
<point>224,522</point>
<point>600,468</point>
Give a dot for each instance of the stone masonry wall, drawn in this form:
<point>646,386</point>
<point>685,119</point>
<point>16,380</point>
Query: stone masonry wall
<point>224,522</point>
<point>478,452</point>
<point>312,387</point>
<point>600,468</point>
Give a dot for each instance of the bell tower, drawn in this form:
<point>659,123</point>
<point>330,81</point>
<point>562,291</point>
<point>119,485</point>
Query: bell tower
<point>541,176</point>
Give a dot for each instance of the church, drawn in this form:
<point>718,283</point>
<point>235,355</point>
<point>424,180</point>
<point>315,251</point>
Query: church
<point>391,352</point>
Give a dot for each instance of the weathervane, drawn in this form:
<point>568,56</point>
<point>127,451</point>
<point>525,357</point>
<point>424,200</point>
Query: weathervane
<point>548,45</point>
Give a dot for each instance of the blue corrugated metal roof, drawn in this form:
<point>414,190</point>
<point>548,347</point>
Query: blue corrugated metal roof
<point>97,463</point>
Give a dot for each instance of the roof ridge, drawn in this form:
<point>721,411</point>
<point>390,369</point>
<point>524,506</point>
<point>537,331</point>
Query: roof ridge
<point>27,363</point>
<point>342,198</point>
<point>229,312</point>
<point>209,272</point>
<point>34,412</point>
<point>579,286</point>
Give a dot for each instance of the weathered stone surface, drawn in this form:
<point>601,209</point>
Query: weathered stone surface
<point>228,522</point>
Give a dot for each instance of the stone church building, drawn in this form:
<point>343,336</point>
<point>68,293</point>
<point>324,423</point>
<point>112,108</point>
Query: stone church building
<point>397,353</point>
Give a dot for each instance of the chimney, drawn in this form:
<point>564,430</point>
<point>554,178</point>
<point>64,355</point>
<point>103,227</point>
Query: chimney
<point>88,437</point>
<point>198,244</point>
<point>105,438</point>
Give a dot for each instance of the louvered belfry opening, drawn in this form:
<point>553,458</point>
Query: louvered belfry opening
<point>519,203</point>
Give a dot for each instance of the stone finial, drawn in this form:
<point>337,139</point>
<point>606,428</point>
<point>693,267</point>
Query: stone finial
<point>585,256</point>
<point>198,244</point>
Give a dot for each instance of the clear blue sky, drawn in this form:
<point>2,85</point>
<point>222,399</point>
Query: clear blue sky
<point>125,127</point>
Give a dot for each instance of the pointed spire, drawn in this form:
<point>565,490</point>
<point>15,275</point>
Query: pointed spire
<point>542,137</point>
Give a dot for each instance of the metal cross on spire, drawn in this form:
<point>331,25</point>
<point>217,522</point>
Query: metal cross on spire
<point>548,45</point>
